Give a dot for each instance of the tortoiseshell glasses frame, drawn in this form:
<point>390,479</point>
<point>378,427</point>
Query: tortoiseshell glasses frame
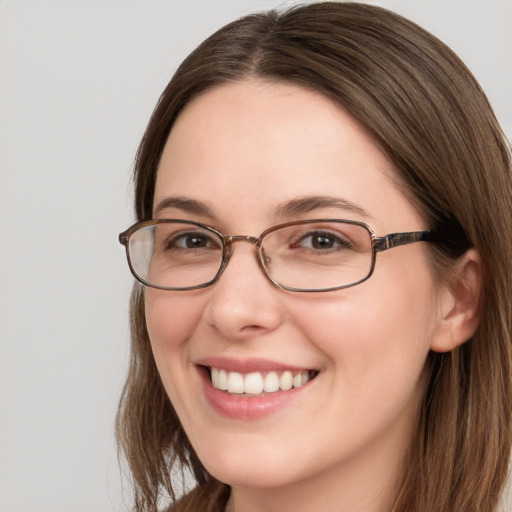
<point>320,255</point>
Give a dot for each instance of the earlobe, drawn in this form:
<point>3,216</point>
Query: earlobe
<point>459,304</point>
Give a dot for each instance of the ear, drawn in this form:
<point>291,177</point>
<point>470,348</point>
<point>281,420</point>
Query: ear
<point>459,304</point>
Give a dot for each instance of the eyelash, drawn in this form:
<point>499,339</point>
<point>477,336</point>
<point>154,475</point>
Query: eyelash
<point>172,242</point>
<point>341,243</point>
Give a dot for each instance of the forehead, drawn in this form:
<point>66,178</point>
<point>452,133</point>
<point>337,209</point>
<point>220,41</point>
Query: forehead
<point>252,145</point>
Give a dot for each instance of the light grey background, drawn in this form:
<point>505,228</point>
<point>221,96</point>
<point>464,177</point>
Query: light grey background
<point>78,81</point>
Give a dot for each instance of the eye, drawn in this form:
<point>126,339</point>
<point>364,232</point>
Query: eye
<point>192,240</point>
<point>323,241</point>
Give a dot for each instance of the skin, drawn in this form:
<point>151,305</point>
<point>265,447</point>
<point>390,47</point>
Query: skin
<point>243,149</point>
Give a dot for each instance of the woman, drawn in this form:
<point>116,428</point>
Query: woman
<point>321,365</point>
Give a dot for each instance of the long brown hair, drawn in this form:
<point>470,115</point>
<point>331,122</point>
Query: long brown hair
<point>428,114</point>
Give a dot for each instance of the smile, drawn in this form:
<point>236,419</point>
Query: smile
<point>258,383</point>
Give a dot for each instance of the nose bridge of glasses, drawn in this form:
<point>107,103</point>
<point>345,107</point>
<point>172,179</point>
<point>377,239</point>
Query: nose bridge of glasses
<point>230,240</point>
<point>243,238</point>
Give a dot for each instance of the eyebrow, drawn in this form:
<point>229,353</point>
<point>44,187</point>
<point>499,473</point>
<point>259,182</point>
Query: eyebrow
<point>292,208</point>
<point>185,204</point>
<point>308,204</point>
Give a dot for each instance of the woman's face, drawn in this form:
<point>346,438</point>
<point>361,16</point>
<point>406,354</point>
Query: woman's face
<point>243,157</point>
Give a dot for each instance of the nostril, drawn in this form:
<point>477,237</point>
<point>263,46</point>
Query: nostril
<point>251,328</point>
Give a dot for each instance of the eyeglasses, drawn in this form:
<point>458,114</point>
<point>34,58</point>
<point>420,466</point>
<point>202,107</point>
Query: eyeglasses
<point>301,256</point>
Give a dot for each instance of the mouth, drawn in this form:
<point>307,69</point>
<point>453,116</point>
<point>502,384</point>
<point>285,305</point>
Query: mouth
<point>258,383</point>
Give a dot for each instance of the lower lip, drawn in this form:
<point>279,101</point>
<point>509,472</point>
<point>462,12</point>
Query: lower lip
<point>250,407</point>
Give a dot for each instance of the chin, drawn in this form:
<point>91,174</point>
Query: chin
<point>255,468</point>
<point>261,478</point>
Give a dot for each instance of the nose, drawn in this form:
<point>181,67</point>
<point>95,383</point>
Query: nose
<point>243,301</point>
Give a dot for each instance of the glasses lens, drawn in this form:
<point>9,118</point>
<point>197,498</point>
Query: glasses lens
<point>175,254</point>
<point>319,255</point>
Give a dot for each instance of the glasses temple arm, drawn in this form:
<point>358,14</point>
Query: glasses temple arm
<point>384,243</point>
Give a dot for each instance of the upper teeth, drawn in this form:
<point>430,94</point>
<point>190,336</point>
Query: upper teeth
<point>256,382</point>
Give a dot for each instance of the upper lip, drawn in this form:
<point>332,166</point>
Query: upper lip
<point>247,365</point>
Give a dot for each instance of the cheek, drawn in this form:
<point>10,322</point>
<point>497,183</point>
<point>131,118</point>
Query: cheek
<point>373,335</point>
<point>170,318</point>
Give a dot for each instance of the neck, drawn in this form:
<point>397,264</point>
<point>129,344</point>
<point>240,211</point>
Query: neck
<point>355,487</point>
